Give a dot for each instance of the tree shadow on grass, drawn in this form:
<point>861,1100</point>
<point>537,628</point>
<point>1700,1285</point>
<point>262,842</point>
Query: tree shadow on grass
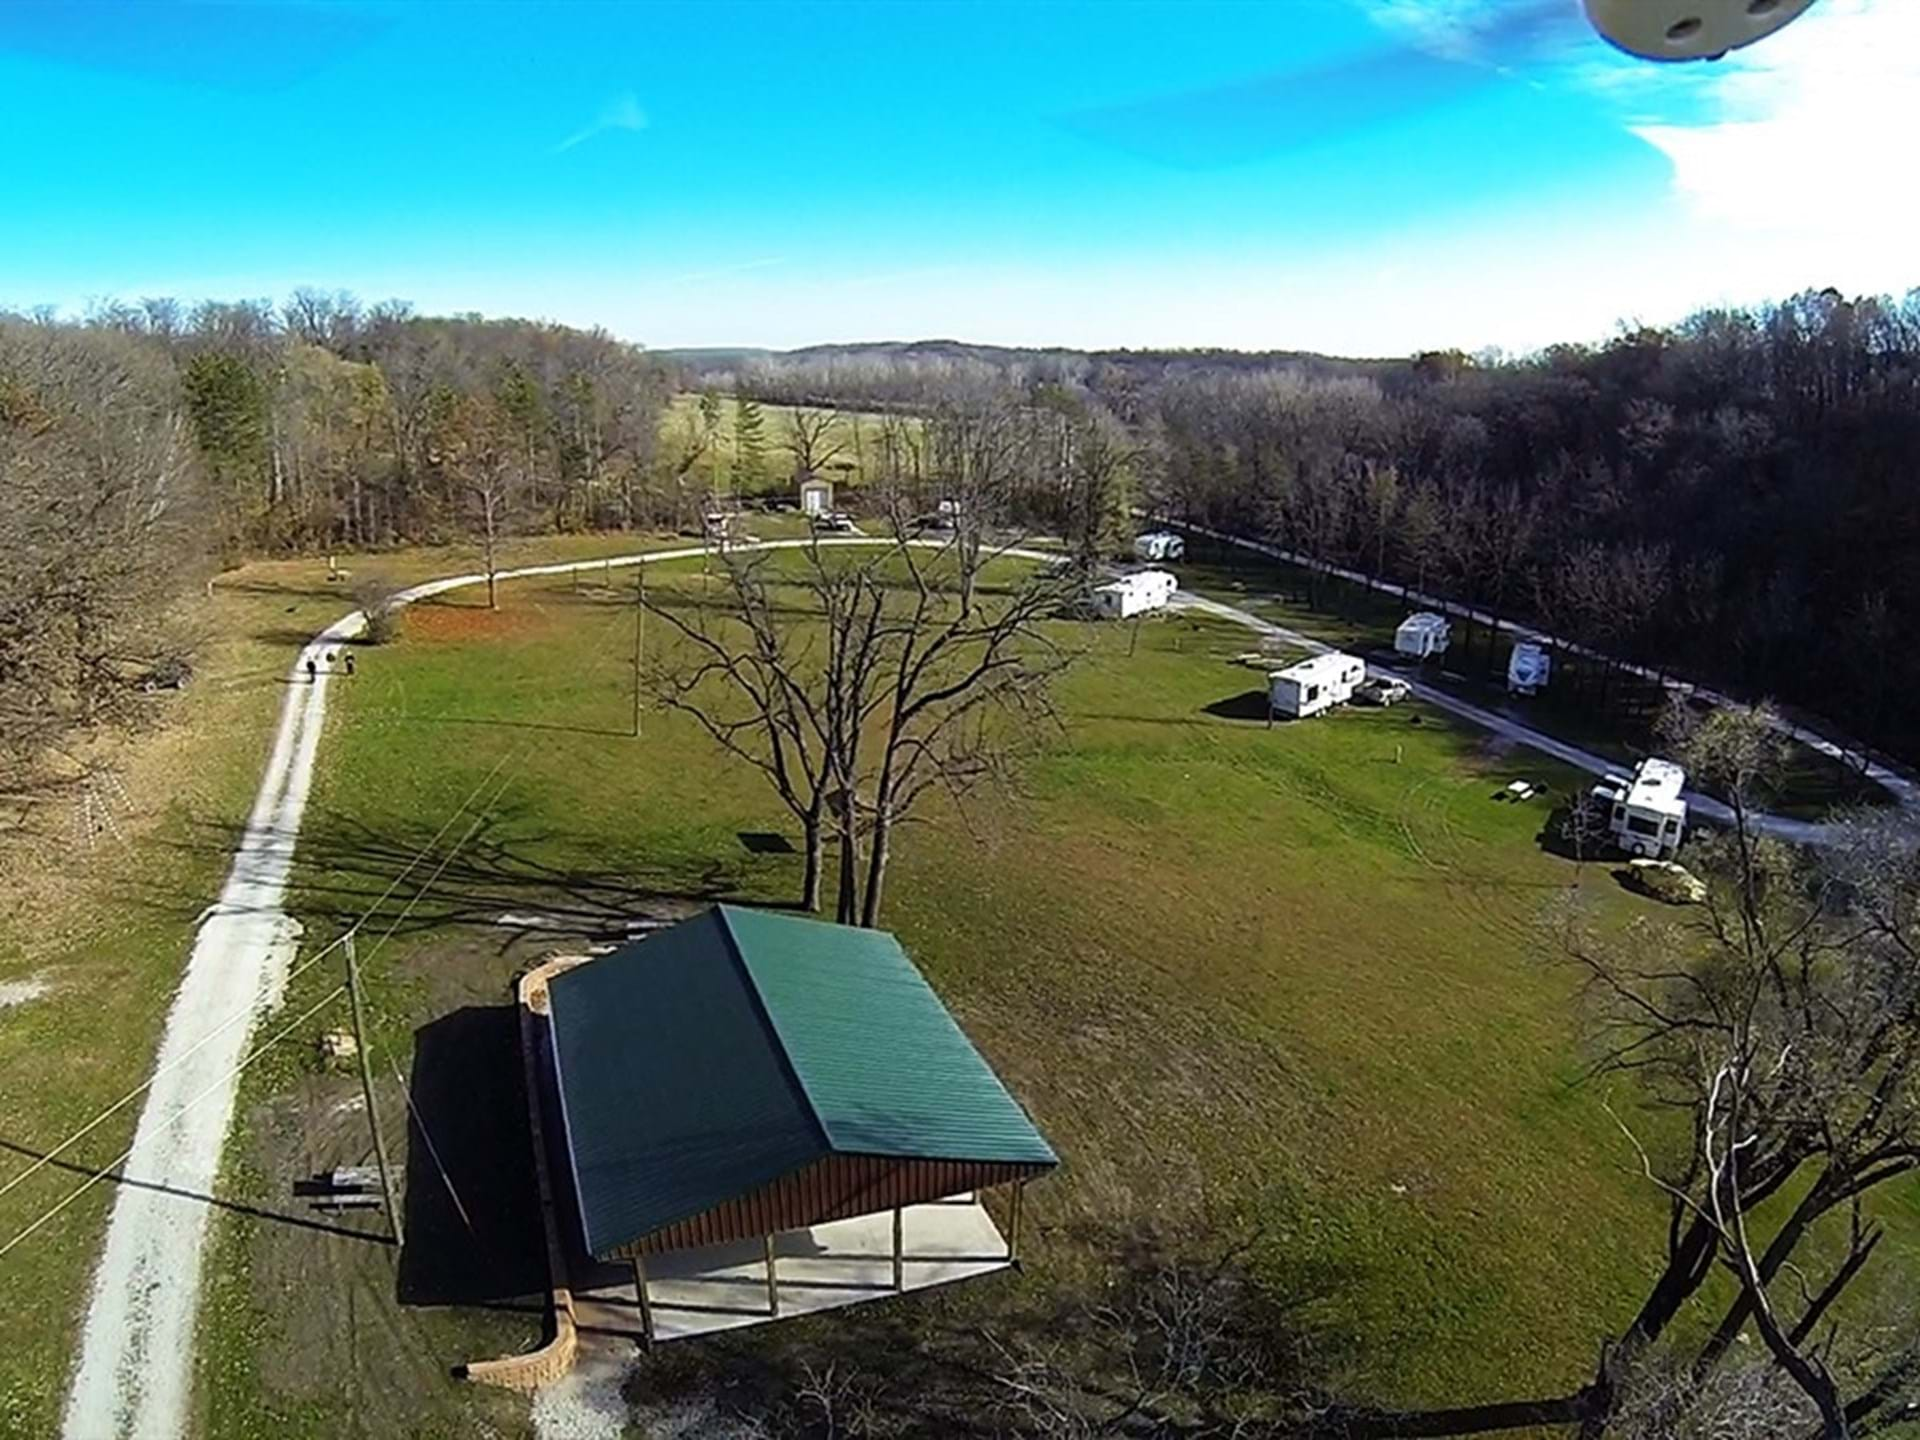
<point>1181,1342</point>
<point>347,866</point>
<point>412,878</point>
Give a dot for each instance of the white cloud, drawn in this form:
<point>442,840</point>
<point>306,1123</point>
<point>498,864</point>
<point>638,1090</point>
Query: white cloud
<point>623,112</point>
<point>1803,147</point>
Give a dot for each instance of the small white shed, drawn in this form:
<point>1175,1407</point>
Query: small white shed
<point>1134,594</point>
<point>1528,668</point>
<point>816,496</point>
<point>1423,635</point>
<point>1160,545</point>
<point>1315,685</point>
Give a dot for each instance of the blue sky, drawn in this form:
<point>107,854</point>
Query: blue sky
<point>1354,176</point>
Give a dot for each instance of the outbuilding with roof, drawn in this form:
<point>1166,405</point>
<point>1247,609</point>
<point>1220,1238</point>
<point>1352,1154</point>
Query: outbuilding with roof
<point>748,1083</point>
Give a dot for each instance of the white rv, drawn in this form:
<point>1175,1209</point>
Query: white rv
<point>1315,685</point>
<point>1160,546</point>
<point>1134,594</point>
<point>1645,815</point>
<point>1528,668</point>
<point>1422,635</point>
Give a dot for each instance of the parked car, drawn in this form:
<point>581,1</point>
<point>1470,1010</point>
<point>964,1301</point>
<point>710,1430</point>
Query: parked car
<point>834,520</point>
<point>172,673</point>
<point>1380,690</point>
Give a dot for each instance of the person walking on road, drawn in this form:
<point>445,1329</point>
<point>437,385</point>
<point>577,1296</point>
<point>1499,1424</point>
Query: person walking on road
<point>313,671</point>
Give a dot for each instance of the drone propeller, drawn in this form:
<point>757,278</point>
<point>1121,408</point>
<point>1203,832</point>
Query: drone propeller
<point>1690,29</point>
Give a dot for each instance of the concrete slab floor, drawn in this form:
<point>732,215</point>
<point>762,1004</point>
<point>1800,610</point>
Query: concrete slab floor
<point>845,1262</point>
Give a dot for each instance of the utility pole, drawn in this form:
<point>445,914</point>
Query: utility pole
<point>366,1090</point>
<point>639,637</point>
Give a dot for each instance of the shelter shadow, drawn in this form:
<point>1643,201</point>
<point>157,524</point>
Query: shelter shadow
<point>467,1136</point>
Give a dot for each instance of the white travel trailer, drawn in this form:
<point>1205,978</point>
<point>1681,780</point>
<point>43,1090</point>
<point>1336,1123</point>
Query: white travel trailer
<point>1645,815</point>
<point>1314,685</point>
<point>1160,545</point>
<point>1423,635</point>
<point>1134,594</point>
<point>1528,668</point>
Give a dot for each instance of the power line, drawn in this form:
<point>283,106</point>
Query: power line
<point>281,1034</point>
<point>246,1013</point>
<point>182,1109</point>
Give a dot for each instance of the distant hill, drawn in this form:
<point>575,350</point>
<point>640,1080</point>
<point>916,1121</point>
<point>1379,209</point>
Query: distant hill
<point>713,358</point>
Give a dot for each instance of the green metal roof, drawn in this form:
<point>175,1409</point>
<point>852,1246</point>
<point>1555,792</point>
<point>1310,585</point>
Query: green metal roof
<point>734,1048</point>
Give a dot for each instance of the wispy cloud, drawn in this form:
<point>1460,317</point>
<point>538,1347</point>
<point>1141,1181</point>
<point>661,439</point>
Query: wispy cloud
<point>1798,138</point>
<point>1484,32</point>
<point>623,112</point>
<point>723,272</point>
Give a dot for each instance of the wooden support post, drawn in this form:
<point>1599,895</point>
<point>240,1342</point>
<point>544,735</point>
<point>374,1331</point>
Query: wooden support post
<point>1013,1225</point>
<point>646,1306</point>
<point>773,1283</point>
<point>366,1092</point>
<point>899,1258</point>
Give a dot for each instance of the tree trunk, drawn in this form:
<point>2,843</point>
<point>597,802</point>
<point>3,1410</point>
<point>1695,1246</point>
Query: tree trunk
<point>878,853</point>
<point>847,906</point>
<point>815,844</point>
<point>493,582</point>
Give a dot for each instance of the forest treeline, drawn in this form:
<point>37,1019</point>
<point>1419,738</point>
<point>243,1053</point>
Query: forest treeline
<point>147,445</point>
<point>1733,498</point>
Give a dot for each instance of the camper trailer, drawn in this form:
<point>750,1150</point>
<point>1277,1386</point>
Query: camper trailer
<point>1528,668</point>
<point>1314,685</point>
<point>1645,814</point>
<point>1134,594</point>
<point>1422,635</point>
<point>1160,546</point>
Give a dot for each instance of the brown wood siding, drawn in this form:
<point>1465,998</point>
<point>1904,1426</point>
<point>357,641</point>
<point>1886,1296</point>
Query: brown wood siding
<point>832,1188</point>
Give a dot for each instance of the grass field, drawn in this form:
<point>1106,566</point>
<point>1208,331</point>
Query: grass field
<point>858,432</point>
<point>1280,989</point>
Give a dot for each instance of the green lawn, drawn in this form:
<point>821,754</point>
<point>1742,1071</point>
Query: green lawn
<point>1280,988</point>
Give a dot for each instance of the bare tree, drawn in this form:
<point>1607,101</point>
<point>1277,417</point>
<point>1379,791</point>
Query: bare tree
<point>484,461</point>
<point>1784,1026</point>
<point>884,685</point>
<point>98,518</point>
<point>814,437</point>
<point>753,681</point>
<point>960,686</point>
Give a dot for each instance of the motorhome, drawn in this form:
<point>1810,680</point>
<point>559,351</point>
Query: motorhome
<point>1528,668</point>
<point>1422,635</point>
<point>1314,685</point>
<point>1160,546</point>
<point>1134,594</point>
<point>1645,814</point>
